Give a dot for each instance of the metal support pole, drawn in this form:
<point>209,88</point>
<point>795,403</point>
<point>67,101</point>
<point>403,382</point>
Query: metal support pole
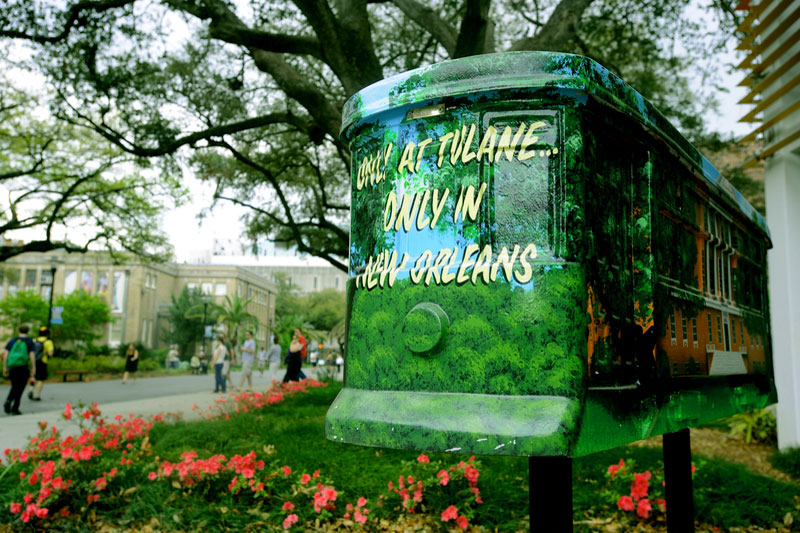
<point>550,486</point>
<point>205,306</point>
<point>678,482</point>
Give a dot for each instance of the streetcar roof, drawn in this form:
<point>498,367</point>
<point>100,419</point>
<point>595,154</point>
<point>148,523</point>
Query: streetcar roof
<point>533,71</point>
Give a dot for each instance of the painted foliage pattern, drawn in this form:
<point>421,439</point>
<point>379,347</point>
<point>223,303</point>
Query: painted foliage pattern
<point>519,252</point>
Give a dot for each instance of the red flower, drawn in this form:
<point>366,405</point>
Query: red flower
<point>287,506</point>
<point>613,469</point>
<point>471,473</point>
<point>68,411</point>
<point>423,459</point>
<point>662,504</point>
<point>443,476</point>
<point>152,476</point>
<point>315,475</point>
<point>286,471</point>
<point>361,502</point>
<point>625,503</point>
<point>643,509</point>
<point>640,485</point>
<point>462,522</point>
<point>304,479</point>
<point>450,513</point>
<point>16,508</point>
<point>289,520</point>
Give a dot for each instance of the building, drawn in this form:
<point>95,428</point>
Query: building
<point>139,293</point>
<point>308,274</point>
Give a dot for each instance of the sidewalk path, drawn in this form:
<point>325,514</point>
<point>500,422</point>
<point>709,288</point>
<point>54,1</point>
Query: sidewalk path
<point>146,397</point>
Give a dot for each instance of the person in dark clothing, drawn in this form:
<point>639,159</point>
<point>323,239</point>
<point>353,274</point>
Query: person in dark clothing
<point>294,360</point>
<point>19,363</point>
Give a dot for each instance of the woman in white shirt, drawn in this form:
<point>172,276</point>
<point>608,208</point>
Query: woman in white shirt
<point>220,354</point>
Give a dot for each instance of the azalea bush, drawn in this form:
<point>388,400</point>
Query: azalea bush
<point>63,476</point>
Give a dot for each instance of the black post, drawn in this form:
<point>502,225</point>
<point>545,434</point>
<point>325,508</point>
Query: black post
<point>52,290</point>
<point>550,486</point>
<point>205,306</point>
<point>678,480</point>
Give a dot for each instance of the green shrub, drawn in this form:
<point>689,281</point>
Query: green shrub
<point>758,425</point>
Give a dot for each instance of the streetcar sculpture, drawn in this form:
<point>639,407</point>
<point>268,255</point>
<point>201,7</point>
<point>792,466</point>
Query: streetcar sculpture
<point>541,265</point>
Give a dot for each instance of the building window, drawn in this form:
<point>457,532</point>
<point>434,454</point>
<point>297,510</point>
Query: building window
<point>684,334</point>
<point>191,286</point>
<point>206,287</point>
<point>719,330</point>
<point>87,280</point>
<point>117,292</point>
<point>741,331</point>
<point>733,330</point>
<point>694,331</point>
<point>673,333</point>
<point>102,282</point>
<point>70,281</point>
<point>710,331</point>
<point>30,279</point>
<point>220,289</point>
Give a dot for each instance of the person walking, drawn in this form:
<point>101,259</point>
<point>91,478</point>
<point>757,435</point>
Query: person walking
<point>274,358</point>
<point>229,360</point>
<point>43,349</point>
<point>248,358</point>
<point>131,363</point>
<point>262,359</point>
<point>302,340</point>
<point>218,361</point>
<point>294,360</point>
<point>19,362</point>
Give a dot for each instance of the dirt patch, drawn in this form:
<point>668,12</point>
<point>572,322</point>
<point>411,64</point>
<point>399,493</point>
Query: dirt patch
<point>720,445</point>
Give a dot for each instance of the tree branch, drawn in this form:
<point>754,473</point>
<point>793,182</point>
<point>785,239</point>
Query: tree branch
<point>560,30</point>
<point>429,20</point>
<point>73,19</point>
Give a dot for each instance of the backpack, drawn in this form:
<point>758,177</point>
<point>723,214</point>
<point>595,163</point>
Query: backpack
<point>38,350</point>
<point>18,356</point>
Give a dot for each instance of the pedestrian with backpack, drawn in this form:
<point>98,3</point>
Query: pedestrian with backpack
<point>19,362</point>
<point>43,349</point>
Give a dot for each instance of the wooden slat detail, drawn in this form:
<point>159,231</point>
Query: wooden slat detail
<point>766,102</point>
<point>769,150</point>
<point>766,62</point>
<point>769,80</point>
<point>764,24</point>
<point>771,122</point>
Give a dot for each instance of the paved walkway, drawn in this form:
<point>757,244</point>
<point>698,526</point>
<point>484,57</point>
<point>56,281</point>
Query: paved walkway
<point>147,396</point>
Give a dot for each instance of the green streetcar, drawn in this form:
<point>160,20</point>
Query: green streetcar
<point>541,265</point>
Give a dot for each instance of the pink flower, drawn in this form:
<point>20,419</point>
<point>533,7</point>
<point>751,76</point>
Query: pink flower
<point>287,506</point>
<point>16,507</point>
<point>286,471</point>
<point>361,502</point>
<point>391,486</point>
<point>68,411</point>
<point>444,477</point>
<point>359,517</point>
<point>152,476</point>
<point>625,503</point>
<point>662,504</point>
<point>462,522</point>
<point>289,520</point>
<point>423,459</point>
<point>304,479</point>
<point>471,473</point>
<point>315,475</point>
<point>643,509</point>
<point>450,513</point>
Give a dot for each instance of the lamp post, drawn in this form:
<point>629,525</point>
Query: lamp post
<point>205,307</point>
<point>52,290</point>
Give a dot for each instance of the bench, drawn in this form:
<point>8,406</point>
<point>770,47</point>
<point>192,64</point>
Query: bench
<point>66,373</point>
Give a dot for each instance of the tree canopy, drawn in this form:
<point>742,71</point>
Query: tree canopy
<point>249,93</point>
<point>68,188</point>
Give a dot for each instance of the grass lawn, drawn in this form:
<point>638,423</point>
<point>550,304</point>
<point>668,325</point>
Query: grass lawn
<point>291,433</point>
